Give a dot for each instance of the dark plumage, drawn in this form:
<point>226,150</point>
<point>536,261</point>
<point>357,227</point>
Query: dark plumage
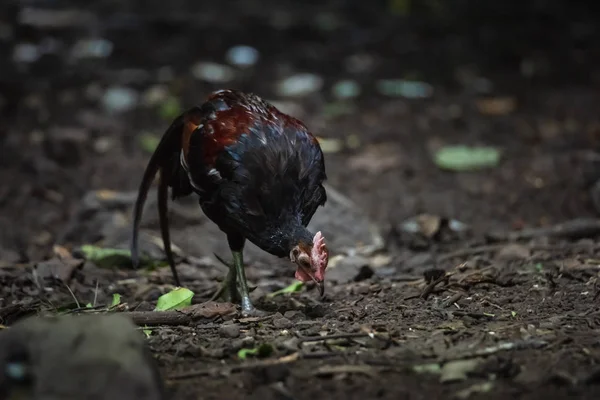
<point>258,174</point>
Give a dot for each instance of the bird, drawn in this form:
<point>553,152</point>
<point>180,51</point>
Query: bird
<point>258,174</point>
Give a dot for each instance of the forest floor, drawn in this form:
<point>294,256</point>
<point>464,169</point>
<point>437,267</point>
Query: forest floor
<point>487,299</point>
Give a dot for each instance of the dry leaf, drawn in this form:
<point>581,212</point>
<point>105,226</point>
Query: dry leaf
<point>496,105</point>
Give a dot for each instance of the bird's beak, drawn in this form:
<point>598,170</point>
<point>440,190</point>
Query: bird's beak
<point>321,286</point>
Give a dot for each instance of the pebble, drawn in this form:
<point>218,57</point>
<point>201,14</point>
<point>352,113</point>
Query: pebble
<point>119,99</point>
<point>25,53</point>
<point>300,85</point>
<point>346,89</point>
<point>293,315</point>
<point>404,88</point>
<point>242,56</point>
<point>350,269</point>
<point>155,95</point>
<point>213,72</point>
<point>282,323</point>
<point>92,48</point>
<point>230,330</point>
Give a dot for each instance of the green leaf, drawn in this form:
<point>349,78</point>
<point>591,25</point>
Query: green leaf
<point>147,332</point>
<point>464,158</point>
<point>170,108</point>
<point>174,300</point>
<point>433,368</point>
<point>264,350</point>
<point>116,300</point>
<point>296,286</point>
<point>149,142</point>
<point>110,257</point>
<point>89,305</point>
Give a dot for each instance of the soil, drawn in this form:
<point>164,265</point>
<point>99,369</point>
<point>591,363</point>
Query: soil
<point>509,316</point>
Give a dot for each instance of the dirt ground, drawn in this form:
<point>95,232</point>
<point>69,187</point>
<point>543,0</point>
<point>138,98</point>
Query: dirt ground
<point>495,310</point>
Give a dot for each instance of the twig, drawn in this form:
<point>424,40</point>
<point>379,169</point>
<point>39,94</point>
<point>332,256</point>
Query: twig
<point>453,299</point>
<point>307,339</point>
<point>95,293</point>
<point>506,346</point>
<point>73,294</point>
<point>160,317</point>
<point>236,368</point>
<point>427,290</point>
<point>473,314</point>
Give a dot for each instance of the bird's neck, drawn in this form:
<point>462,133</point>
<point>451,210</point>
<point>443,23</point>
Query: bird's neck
<point>282,239</point>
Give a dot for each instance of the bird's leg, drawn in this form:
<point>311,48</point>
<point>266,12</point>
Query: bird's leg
<point>228,290</point>
<point>236,244</point>
<point>248,308</point>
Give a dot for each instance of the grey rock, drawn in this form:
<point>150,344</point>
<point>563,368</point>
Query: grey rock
<point>349,269</point>
<point>282,323</point>
<point>100,357</point>
<point>230,330</point>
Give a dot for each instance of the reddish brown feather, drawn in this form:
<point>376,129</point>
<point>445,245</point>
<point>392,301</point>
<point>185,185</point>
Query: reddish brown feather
<point>191,122</point>
<point>243,111</point>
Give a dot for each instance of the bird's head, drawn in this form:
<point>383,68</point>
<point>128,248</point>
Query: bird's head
<point>311,261</point>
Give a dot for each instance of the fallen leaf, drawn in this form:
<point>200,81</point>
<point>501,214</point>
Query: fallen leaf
<point>211,309</point>
<point>433,368</point>
<point>149,142</point>
<point>264,350</point>
<point>61,269</point>
<point>483,387</point>
<point>376,159</point>
<point>176,299</point>
<point>426,224</point>
<point>464,158</point>
<point>170,108</point>
<point>330,145</point>
<point>116,300</point>
<point>404,88</point>
<point>296,286</point>
<point>458,370</point>
<point>111,257</point>
<point>106,257</point>
<point>496,105</point>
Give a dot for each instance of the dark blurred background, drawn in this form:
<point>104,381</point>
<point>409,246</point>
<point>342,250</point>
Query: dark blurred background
<point>86,89</point>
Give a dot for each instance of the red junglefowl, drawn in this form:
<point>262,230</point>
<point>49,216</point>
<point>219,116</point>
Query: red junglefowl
<point>259,176</point>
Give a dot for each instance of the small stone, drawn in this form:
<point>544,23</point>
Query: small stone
<point>92,48</point>
<point>513,252</point>
<point>282,323</point>
<point>300,85</point>
<point>346,89</point>
<point>293,315</point>
<point>155,95</point>
<point>248,341</point>
<point>119,99</point>
<point>213,72</point>
<point>404,88</point>
<point>26,53</point>
<point>242,56</point>
<point>350,269</point>
<point>230,331</point>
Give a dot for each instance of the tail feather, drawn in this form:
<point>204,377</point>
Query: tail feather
<point>158,160</point>
<point>166,159</point>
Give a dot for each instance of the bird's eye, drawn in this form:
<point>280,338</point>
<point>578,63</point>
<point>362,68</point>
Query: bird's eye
<point>295,253</point>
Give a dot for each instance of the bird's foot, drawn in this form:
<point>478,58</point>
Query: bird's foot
<point>248,310</point>
<point>227,292</point>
